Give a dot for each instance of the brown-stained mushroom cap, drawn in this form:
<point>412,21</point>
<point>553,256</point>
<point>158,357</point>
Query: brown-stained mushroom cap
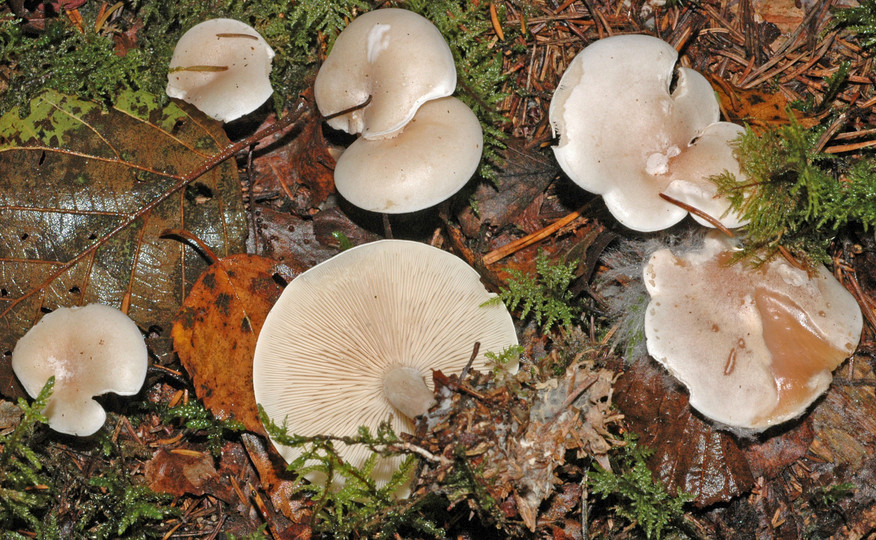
<point>90,350</point>
<point>222,67</point>
<point>754,346</point>
<point>395,57</point>
<point>623,135</point>
<point>431,159</point>
<point>355,339</point>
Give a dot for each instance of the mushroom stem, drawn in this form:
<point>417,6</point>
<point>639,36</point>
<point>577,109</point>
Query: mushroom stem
<point>405,388</point>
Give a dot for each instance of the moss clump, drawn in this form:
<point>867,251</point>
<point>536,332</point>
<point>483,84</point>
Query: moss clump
<point>546,295</point>
<point>635,495</point>
<point>796,197</point>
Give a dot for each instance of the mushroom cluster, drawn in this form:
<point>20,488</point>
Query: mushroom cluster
<point>90,351</point>
<point>222,67</point>
<point>625,135</point>
<point>354,340</point>
<point>754,346</point>
<point>417,146</point>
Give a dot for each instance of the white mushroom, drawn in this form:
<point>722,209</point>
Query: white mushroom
<point>355,339</point>
<point>754,346</point>
<point>222,67</point>
<point>625,136</point>
<point>395,57</point>
<point>430,160</point>
<point>90,350</point>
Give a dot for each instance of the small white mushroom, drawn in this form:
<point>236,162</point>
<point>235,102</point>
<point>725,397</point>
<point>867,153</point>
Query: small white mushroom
<point>754,346</point>
<point>354,340</point>
<point>222,67</point>
<point>625,136</point>
<point>90,351</point>
<point>430,160</point>
<point>395,57</point>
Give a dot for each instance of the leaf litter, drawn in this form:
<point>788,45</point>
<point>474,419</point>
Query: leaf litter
<point>778,495</point>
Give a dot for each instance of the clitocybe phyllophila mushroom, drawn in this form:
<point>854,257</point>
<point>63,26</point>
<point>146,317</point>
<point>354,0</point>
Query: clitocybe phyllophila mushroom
<point>222,67</point>
<point>90,351</point>
<point>393,57</point>
<point>623,135</point>
<point>432,158</point>
<point>355,339</point>
<point>754,346</point>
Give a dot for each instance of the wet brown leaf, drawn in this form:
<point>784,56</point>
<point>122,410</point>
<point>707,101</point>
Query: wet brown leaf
<point>216,330</point>
<point>295,163</point>
<point>84,195</point>
<point>688,453</point>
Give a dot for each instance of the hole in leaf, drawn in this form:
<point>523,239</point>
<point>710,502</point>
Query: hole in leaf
<point>42,158</point>
<point>198,193</point>
<point>154,331</point>
<point>4,292</point>
<point>92,236</point>
<point>74,289</point>
<point>44,310</point>
<point>24,237</point>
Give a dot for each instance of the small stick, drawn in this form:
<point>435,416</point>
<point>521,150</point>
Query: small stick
<point>515,246</point>
<point>699,213</point>
<point>387,228</point>
<point>348,110</point>
<point>474,354</point>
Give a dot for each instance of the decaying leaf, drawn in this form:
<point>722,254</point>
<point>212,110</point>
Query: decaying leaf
<point>689,454</point>
<point>183,471</point>
<point>755,107</point>
<point>84,195</point>
<point>215,333</point>
<point>295,163</point>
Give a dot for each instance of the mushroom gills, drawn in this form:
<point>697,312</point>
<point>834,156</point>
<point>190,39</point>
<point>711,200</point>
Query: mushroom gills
<point>405,388</point>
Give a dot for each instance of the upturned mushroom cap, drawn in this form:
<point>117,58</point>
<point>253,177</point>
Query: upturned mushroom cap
<point>430,160</point>
<point>90,350</point>
<point>222,67</point>
<point>396,57</point>
<point>384,308</point>
<point>755,347</point>
<point>625,136</point>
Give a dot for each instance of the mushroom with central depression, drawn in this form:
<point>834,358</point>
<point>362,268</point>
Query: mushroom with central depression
<point>355,339</point>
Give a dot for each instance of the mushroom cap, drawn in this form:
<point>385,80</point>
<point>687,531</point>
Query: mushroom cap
<point>431,159</point>
<point>91,350</point>
<point>393,55</point>
<point>230,93</point>
<point>754,346</point>
<point>625,136</point>
<point>340,326</point>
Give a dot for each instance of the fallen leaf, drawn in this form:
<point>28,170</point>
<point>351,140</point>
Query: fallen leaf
<point>183,471</point>
<point>216,330</point>
<point>755,107</point>
<point>295,162</point>
<point>689,455</point>
<point>276,480</point>
<point>84,195</point>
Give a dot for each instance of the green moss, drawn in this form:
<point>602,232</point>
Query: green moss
<point>545,296</point>
<point>347,503</point>
<point>795,196</point>
<point>635,495</point>
<point>861,21</point>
